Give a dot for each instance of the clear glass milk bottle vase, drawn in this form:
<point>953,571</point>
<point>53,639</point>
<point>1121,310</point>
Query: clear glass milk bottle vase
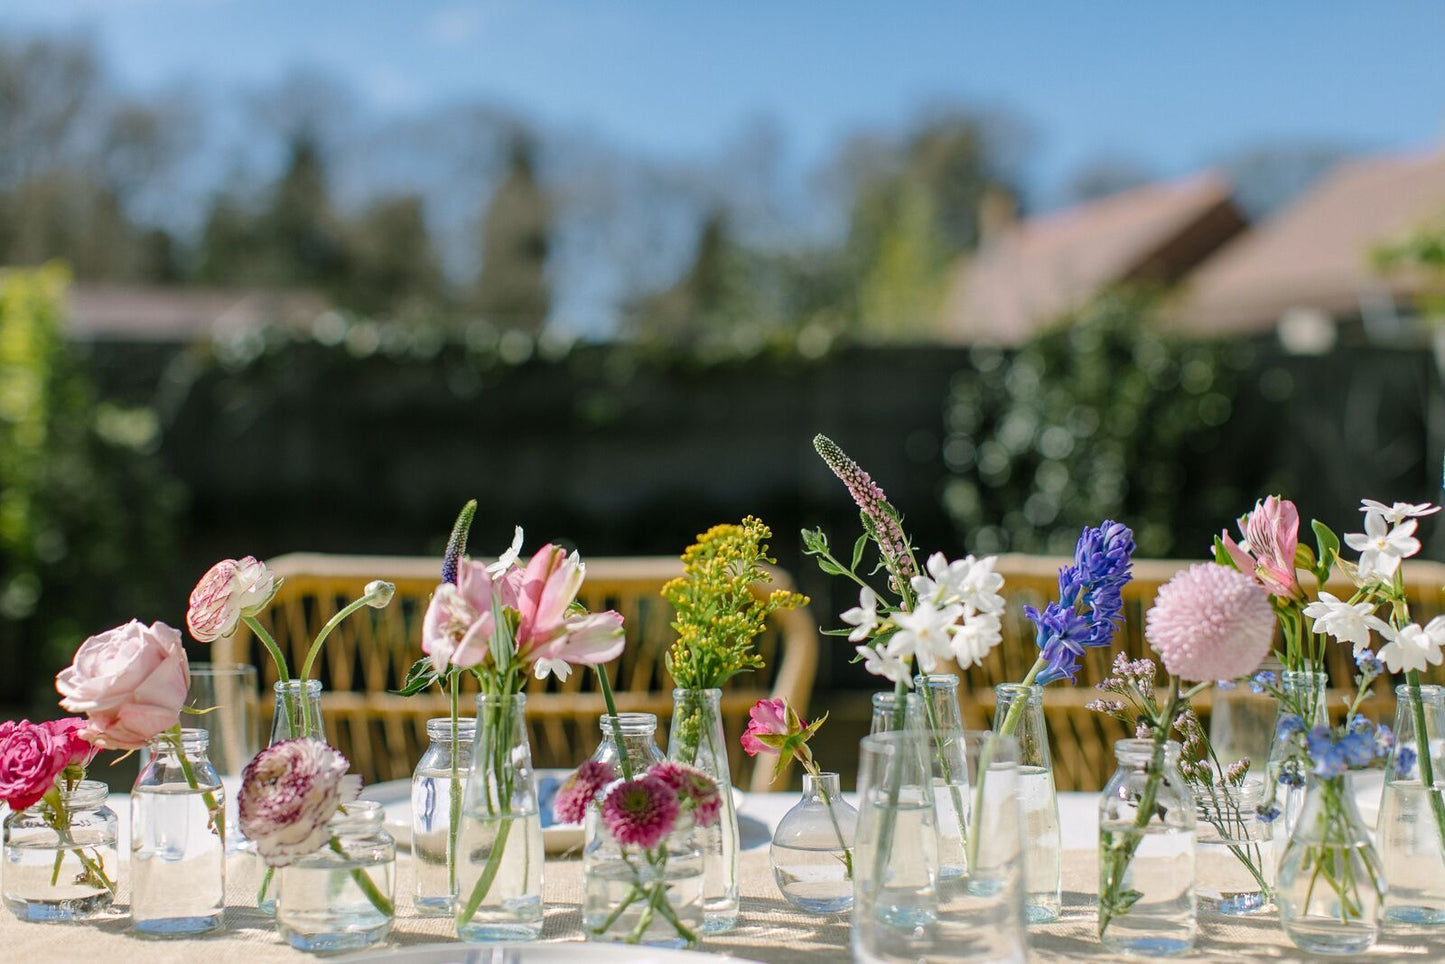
<point>696,738</point>
<point>1410,831</point>
<point>1019,712</point>
<point>296,713</point>
<point>1303,696</point>
<point>436,811</point>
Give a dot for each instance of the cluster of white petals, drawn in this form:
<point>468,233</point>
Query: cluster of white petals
<point>1389,537</point>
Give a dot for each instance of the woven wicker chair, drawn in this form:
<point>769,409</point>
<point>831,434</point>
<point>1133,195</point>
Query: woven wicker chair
<point>369,654</point>
<point>1082,740</point>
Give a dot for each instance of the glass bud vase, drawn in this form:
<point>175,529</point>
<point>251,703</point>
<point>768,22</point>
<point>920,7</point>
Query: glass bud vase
<point>1410,832</point>
<point>499,846</point>
<point>1235,858</point>
<point>436,814</point>
<point>1331,884</point>
<point>1146,853</point>
<point>943,724</point>
<point>636,732</point>
<point>697,739</point>
<point>177,844</point>
<point>340,898</point>
<point>61,865</point>
<point>1303,694</point>
<point>296,713</point>
<point>886,716</point>
<point>1019,713</point>
<point>643,895</point>
<point>812,849</point>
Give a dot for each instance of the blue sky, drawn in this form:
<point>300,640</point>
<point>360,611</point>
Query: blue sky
<point>1169,84</point>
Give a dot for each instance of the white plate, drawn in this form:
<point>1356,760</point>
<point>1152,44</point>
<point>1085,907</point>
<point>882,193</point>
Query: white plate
<point>568,953</point>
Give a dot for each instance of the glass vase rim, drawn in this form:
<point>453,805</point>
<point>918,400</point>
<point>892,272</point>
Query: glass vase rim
<point>888,698</point>
<point>192,737</point>
<point>630,723</point>
<point>1305,675</point>
<point>1032,691</point>
<point>86,795</point>
<point>1251,789</point>
<point>440,727</point>
<point>949,680</point>
<point>501,699</point>
<point>712,692</point>
<point>206,668</point>
<point>359,815</point>
<point>313,686</point>
<point>1433,691</point>
<point>1133,746</point>
<point>828,778</point>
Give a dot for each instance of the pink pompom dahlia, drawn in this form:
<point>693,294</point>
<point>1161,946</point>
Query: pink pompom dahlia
<point>640,812</point>
<point>581,788</point>
<point>288,794</point>
<point>1210,622</point>
<point>696,791</point>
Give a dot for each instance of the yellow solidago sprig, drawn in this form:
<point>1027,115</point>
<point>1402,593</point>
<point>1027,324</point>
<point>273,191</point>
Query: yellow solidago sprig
<point>718,614</point>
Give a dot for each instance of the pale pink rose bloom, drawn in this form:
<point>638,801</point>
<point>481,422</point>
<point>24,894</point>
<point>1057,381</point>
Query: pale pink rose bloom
<point>457,628</point>
<point>130,682</point>
<point>288,794</point>
<point>229,590</point>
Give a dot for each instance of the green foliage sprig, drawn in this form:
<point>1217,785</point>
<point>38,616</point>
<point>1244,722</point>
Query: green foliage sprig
<point>718,614</point>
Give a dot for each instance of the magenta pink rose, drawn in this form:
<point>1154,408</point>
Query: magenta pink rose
<point>130,682</point>
<point>768,718</point>
<point>31,757</point>
<point>70,732</point>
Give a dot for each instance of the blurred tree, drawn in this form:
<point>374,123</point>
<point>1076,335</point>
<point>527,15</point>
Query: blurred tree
<point>393,266</point>
<point>511,288</point>
<point>1106,175</point>
<point>301,234</point>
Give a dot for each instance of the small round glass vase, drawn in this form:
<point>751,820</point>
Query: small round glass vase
<point>812,849</point>
<point>638,895</point>
<point>436,814</point>
<point>1235,857</point>
<point>340,898</point>
<point>62,866</point>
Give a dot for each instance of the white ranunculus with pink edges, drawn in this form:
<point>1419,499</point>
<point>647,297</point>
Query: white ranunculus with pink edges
<point>229,591</point>
<point>288,794</point>
<point>130,682</point>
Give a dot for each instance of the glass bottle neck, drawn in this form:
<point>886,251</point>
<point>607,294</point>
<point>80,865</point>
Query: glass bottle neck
<point>823,787</point>
<point>1139,754</point>
<point>439,731</point>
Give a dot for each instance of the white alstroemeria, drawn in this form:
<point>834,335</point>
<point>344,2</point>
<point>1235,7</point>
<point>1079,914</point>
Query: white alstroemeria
<point>1413,647</point>
<point>885,665</point>
<point>1347,623</point>
<point>862,617</point>
<point>545,667</point>
<point>975,637</point>
<point>968,580</point>
<point>507,559</point>
<point>1381,546</point>
<point>1399,512</point>
<point>926,633</point>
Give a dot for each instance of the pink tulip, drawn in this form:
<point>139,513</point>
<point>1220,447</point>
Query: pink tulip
<point>130,682</point>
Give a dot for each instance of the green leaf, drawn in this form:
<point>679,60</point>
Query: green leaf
<point>858,551</point>
<point>419,677</point>
<point>1329,548</point>
<point>1221,554</point>
<point>831,568</point>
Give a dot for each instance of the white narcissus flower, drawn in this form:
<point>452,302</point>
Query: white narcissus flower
<point>1347,623</point>
<point>288,794</point>
<point>230,590</point>
<point>1413,647</point>
<point>862,617</point>
<point>1399,512</point>
<point>975,638</point>
<point>1381,546</point>
<point>968,580</point>
<point>507,559</point>
<point>885,665</point>
<point>925,633</point>
<point>545,667</point>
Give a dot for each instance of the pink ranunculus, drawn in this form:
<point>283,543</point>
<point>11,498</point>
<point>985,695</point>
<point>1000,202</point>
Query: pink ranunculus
<point>457,629</point>
<point>130,682</point>
<point>1210,623</point>
<point>1273,533</point>
<point>70,732</point>
<point>229,590</point>
<point>288,794</point>
<point>31,757</point>
<point>767,718</point>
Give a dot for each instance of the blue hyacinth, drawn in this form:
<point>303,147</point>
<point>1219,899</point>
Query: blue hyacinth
<point>1090,604</point>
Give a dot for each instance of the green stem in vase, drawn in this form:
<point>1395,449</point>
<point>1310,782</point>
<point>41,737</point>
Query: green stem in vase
<point>454,792</point>
<point>1422,744</point>
<point>605,685</point>
<point>216,811</point>
<point>277,657</point>
<point>380,901</point>
<point>847,851</point>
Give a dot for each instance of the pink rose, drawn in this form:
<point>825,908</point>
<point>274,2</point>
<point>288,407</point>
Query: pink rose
<point>130,682</point>
<point>768,718</point>
<point>31,757</point>
<point>69,732</point>
<point>229,590</point>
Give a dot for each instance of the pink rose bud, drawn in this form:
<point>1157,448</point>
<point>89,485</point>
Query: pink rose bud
<point>768,718</point>
<point>229,590</point>
<point>130,682</point>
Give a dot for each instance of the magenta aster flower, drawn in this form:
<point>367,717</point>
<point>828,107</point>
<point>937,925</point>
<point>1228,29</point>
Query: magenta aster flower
<point>288,794</point>
<point>695,789</point>
<point>1210,622</point>
<point>581,788</point>
<point>640,812</point>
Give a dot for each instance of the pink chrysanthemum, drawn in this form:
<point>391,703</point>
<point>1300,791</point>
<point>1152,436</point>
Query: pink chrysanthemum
<point>581,788</point>
<point>288,794</point>
<point>1210,623</point>
<point>694,789</point>
<point>640,812</point>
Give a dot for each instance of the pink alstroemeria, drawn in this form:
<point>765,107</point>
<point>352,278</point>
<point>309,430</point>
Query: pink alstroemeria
<point>1271,537</point>
<point>458,626</point>
<point>545,630</point>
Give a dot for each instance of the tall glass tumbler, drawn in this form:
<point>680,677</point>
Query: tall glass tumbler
<point>982,918</point>
<point>225,700</point>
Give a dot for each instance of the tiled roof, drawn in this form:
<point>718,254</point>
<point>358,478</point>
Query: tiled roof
<point>133,313</point>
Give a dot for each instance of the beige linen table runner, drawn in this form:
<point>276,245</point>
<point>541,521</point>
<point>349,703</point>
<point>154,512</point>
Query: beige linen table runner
<point>768,930</point>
